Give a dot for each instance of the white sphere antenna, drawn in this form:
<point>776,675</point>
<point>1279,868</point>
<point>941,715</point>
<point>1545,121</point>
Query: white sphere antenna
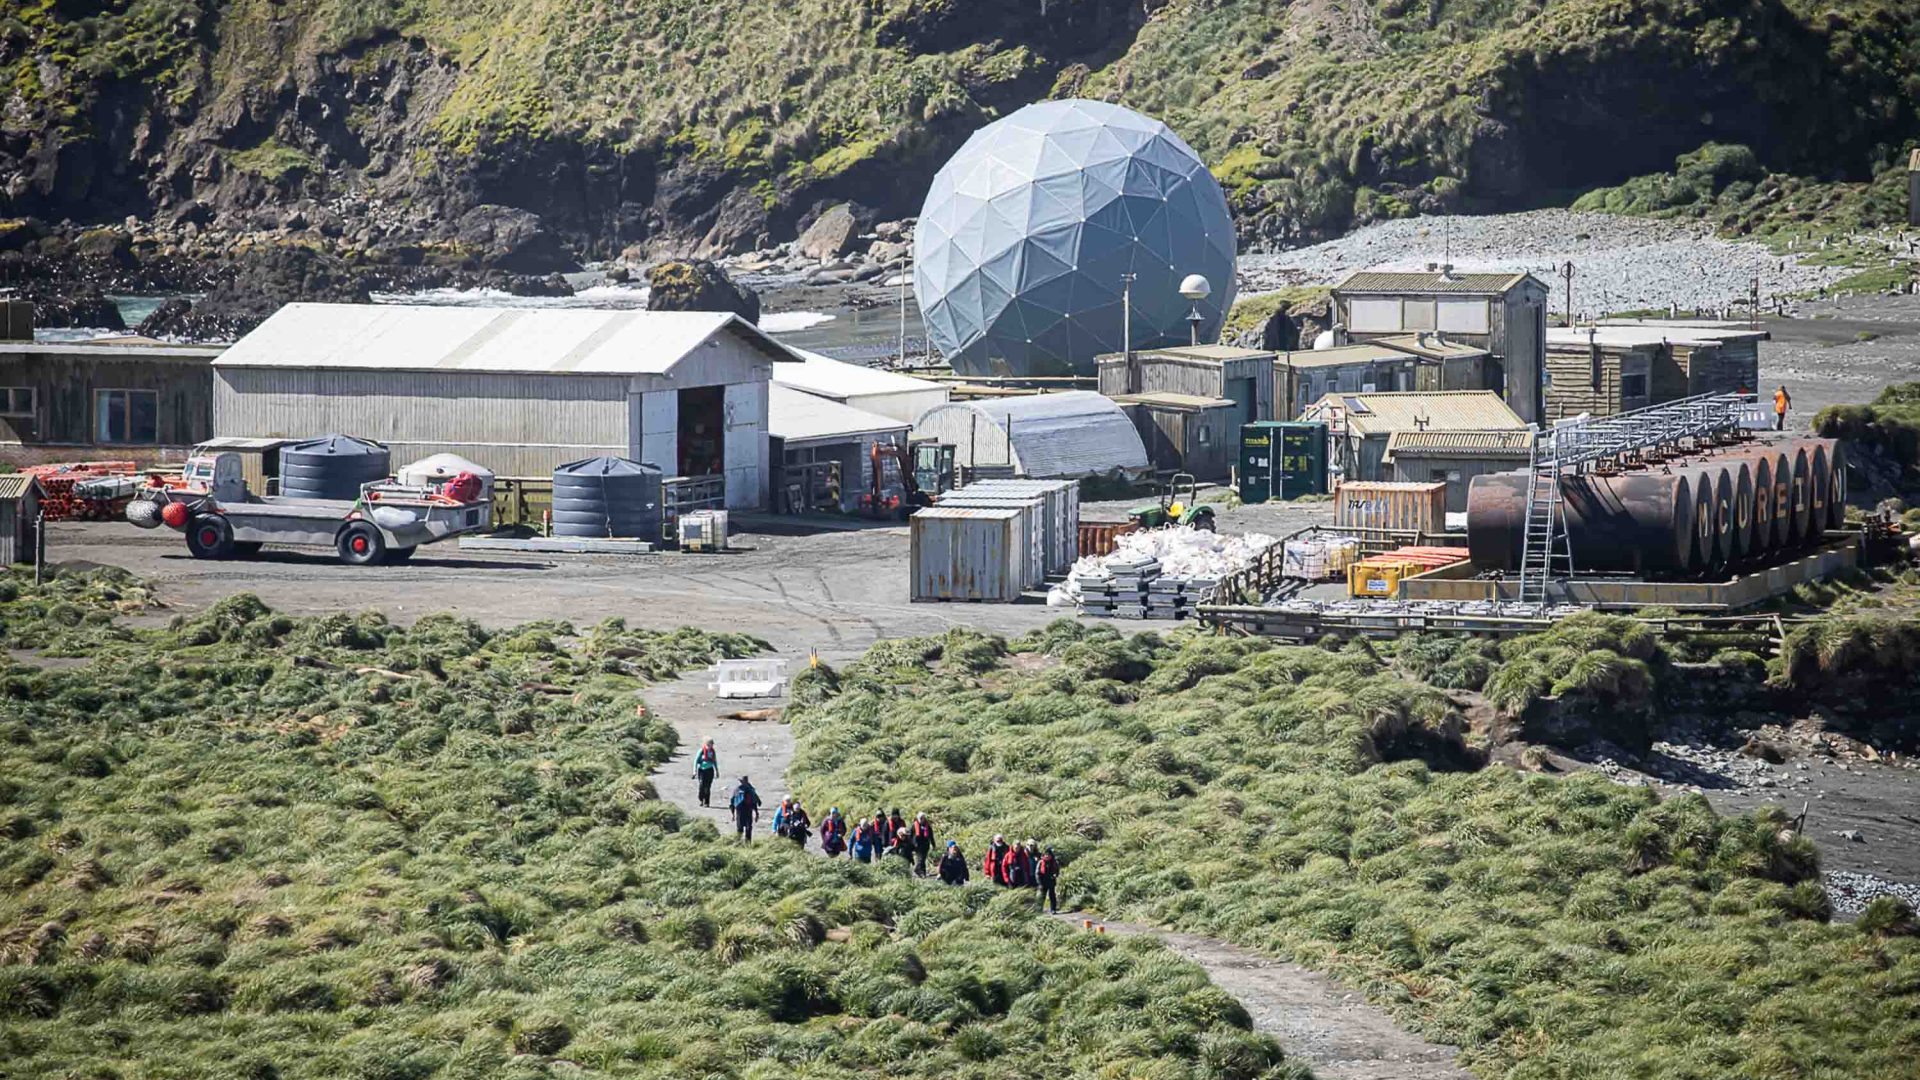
<point>1196,287</point>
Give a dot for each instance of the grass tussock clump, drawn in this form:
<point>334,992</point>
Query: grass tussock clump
<point>1283,798</point>
<point>260,846</point>
<point>71,612</point>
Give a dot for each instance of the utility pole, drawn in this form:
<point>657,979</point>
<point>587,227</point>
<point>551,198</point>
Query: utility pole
<point>903,315</point>
<point>1755,324</point>
<point>1567,272</point>
<point>1126,315</point>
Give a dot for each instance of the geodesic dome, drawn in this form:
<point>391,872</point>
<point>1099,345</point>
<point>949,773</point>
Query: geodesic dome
<point>1025,233</point>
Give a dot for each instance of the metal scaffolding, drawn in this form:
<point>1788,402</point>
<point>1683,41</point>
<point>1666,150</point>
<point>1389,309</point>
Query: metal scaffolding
<point>1604,443</point>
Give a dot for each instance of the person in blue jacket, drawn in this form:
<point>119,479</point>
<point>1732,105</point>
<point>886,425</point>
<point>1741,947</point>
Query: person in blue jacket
<point>746,809</point>
<point>863,841</point>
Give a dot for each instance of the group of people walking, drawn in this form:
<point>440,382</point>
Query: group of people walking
<point>871,840</point>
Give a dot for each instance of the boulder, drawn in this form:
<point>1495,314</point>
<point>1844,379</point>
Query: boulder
<point>886,251</point>
<point>514,240</point>
<point>73,306</point>
<point>831,235</point>
<point>699,285</point>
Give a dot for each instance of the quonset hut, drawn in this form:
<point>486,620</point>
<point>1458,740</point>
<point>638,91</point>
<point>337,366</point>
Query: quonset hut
<point>1079,433</point>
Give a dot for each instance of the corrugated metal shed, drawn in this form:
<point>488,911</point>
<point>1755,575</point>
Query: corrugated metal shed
<point>407,337</point>
<point>1478,443</point>
<point>799,417</point>
<point>886,393</point>
<point>1077,433</point>
<point>1435,410</point>
<point>1430,281</point>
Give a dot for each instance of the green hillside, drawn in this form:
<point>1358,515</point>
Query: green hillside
<point>637,120</point>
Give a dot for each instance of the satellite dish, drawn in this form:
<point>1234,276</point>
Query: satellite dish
<point>1326,339</point>
<point>1195,287</point>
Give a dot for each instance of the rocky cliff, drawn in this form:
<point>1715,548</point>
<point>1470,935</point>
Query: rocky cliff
<point>524,135</point>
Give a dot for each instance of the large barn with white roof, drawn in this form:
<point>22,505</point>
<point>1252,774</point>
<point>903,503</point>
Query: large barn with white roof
<point>517,390</point>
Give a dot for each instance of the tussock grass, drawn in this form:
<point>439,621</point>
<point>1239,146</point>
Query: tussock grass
<point>248,845</point>
<point>1554,927</point>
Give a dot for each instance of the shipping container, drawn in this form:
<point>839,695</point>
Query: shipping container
<point>969,554</point>
<point>1034,507</point>
<point>1375,504</point>
<point>1062,514</point>
<point>1282,460</point>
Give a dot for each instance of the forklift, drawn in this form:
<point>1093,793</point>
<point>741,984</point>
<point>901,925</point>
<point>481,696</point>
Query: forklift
<point>907,478</point>
<point>1179,505</point>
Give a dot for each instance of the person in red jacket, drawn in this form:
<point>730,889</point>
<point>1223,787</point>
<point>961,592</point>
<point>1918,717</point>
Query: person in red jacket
<point>995,865</point>
<point>1046,873</point>
<point>1019,866</point>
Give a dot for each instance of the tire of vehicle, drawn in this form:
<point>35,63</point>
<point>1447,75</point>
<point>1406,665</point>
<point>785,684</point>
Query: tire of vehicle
<point>1204,521</point>
<point>400,555</point>
<point>210,537</point>
<point>247,549</point>
<point>360,544</point>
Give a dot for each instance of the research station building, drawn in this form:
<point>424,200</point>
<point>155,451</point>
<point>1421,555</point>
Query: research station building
<point>1503,313</point>
<point>517,390</point>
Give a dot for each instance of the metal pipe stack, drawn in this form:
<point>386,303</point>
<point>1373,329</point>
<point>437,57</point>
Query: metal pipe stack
<point>1739,504</point>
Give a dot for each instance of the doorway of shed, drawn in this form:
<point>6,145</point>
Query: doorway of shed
<point>703,431</point>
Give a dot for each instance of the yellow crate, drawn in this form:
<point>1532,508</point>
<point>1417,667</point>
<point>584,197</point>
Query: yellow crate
<point>1377,580</point>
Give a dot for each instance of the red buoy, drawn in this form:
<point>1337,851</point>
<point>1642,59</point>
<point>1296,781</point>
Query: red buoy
<point>175,515</point>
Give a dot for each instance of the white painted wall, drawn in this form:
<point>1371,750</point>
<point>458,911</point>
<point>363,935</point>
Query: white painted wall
<point>745,446</point>
<point>657,439</point>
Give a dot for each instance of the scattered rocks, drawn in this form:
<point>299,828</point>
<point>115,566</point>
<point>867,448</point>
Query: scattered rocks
<point>1620,263</point>
<point>1851,891</point>
<point>699,285</point>
<point>1853,836</point>
<point>261,283</point>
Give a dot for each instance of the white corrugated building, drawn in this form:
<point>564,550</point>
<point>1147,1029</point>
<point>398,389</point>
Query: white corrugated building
<point>811,432</point>
<point>1071,434</point>
<point>519,391</point>
<point>887,393</point>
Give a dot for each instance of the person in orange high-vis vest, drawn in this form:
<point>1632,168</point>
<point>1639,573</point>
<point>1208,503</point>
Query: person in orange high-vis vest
<point>1781,403</point>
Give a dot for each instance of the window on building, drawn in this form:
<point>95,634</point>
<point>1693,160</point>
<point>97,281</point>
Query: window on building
<point>1374,316</point>
<point>1633,386</point>
<point>1418,315</point>
<point>16,401</point>
<point>1206,436</point>
<point>1464,316</point>
<point>126,416</point>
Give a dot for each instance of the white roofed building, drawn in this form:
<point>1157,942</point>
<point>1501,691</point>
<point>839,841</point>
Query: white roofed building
<point>519,391</point>
<point>887,393</point>
<point>1045,436</point>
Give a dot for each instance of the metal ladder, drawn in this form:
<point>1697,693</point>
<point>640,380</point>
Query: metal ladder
<point>1546,551</point>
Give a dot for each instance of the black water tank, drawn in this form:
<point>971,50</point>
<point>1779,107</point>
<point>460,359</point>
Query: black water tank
<point>607,497</point>
<point>332,467</point>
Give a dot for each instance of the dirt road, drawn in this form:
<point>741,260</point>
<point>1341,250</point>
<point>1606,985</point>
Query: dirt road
<point>835,590</point>
<point>1318,1022</point>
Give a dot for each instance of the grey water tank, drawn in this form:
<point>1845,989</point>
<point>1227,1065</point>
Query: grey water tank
<point>607,497</point>
<point>332,467</point>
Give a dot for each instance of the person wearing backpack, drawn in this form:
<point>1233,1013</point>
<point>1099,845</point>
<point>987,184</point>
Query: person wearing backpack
<point>746,809</point>
<point>782,815</point>
<point>997,862</point>
<point>863,842</point>
<point>953,865</point>
<point>706,766</point>
<point>921,834</point>
<point>799,825</point>
<point>833,833</point>
<point>1046,872</point>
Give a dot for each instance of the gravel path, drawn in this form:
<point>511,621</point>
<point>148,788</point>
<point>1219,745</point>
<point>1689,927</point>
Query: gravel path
<point>1620,263</point>
<point>1318,1022</point>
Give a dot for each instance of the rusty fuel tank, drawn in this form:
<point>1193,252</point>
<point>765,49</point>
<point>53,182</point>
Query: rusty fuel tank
<point>1640,522</point>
